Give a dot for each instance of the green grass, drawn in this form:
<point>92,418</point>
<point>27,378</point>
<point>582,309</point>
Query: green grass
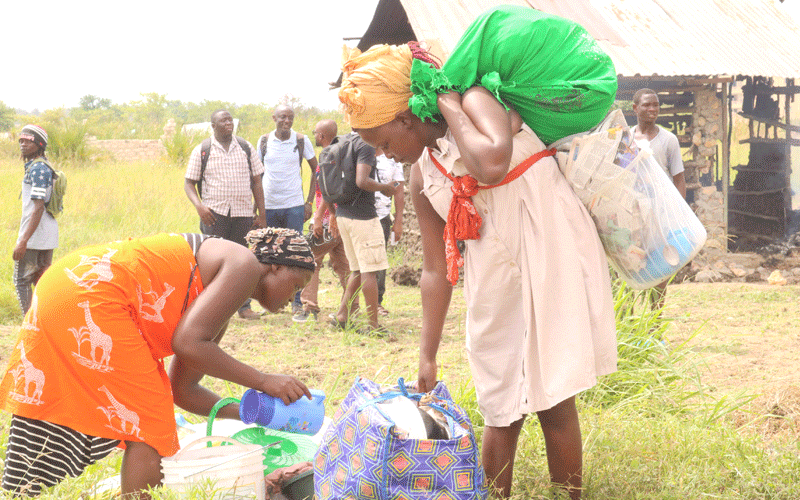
<point>652,430</point>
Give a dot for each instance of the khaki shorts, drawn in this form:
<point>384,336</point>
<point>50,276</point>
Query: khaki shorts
<point>363,244</point>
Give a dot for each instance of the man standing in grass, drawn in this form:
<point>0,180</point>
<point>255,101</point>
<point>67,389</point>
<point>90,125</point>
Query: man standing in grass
<point>38,229</point>
<point>666,151</point>
<point>360,229</point>
<point>222,180</point>
<point>324,134</point>
<point>282,152</point>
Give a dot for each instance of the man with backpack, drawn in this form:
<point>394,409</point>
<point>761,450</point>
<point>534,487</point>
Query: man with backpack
<point>325,244</point>
<point>282,151</point>
<point>348,186</point>
<point>222,180</point>
<point>38,229</point>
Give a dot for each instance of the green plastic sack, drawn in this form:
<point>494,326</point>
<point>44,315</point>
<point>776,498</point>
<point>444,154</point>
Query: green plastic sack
<point>546,67</point>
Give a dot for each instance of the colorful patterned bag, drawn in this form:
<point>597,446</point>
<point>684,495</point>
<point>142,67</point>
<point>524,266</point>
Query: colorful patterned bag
<point>364,456</point>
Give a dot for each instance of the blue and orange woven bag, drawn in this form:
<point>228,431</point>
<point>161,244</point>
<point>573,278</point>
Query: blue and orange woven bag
<point>364,456</point>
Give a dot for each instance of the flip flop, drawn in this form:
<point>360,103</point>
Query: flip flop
<point>341,325</point>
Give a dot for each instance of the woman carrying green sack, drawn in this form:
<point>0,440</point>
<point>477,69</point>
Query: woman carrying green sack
<point>540,319</point>
<point>549,69</point>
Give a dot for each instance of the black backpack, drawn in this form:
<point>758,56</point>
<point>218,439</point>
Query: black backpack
<point>205,150</point>
<point>336,176</point>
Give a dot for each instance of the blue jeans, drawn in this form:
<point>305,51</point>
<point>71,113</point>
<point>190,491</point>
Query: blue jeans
<point>290,218</point>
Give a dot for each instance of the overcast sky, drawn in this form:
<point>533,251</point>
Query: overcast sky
<point>242,51</point>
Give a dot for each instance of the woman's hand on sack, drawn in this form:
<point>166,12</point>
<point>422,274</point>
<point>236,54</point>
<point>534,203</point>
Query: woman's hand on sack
<point>285,387</point>
<point>426,380</point>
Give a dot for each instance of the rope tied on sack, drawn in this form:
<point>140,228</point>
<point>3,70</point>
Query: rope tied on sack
<point>463,221</point>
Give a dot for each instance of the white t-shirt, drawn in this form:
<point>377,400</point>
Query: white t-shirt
<point>387,171</point>
<point>283,183</point>
<point>666,150</point>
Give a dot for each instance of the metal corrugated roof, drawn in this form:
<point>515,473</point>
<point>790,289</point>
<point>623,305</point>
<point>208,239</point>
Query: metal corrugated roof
<point>649,37</point>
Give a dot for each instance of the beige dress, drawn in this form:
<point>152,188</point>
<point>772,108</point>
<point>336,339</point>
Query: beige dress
<point>540,318</point>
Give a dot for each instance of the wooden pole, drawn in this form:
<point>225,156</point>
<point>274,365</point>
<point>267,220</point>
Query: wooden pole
<point>726,159</point>
<point>788,169</point>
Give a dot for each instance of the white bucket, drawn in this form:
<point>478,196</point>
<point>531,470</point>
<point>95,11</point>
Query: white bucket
<point>229,472</point>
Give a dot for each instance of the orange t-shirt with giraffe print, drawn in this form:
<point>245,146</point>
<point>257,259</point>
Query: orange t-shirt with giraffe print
<point>90,352</point>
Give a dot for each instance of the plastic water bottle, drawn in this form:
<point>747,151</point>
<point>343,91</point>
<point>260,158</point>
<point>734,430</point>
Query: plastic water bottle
<point>304,416</point>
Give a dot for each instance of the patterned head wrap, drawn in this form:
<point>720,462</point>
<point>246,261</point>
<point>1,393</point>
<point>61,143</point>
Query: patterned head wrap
<point>376,85</point>
<point>280,246</point>
<point>36,134</point>
<point>380,83</point>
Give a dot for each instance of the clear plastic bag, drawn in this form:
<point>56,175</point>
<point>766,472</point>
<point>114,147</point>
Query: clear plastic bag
<point>648,230</point>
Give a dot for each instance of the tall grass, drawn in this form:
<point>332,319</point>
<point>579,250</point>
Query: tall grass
<point>104,202</point>
<point>9,150</point>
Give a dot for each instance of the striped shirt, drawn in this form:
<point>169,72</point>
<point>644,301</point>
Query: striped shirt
<point>226,181</point>
<point>195,239</point>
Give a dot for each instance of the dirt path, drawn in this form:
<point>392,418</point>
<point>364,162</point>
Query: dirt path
<point>747,337</point>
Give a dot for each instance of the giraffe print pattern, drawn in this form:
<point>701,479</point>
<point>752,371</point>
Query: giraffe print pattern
<point>99,270</point>
<point>122,413</point>
<point>97,340</point>
<point>157,304</point>
<point>30,376</point>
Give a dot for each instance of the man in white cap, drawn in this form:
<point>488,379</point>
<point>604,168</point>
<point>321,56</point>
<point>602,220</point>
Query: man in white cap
<point>38,229</point>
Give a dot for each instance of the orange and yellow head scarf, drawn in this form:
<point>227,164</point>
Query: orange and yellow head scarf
<point>376,84</point>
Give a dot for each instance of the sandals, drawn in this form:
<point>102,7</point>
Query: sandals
<point>341,325</point>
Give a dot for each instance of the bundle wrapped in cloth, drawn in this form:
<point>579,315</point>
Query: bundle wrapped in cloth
<point>648,230</point>
<point>389,442</point>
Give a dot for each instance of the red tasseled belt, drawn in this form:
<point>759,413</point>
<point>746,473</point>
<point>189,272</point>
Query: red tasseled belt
<point>463,220</point>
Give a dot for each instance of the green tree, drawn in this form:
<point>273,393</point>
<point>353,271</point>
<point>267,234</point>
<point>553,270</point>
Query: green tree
<point>7,115</point>
<point>90,102</point>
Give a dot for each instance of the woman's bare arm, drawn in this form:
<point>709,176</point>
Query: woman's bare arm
<point>230,273</point>
<point>483,130</point>
<point>436,290</point>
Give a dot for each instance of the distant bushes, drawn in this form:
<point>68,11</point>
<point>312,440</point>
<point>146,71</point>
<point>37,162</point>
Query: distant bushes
<point>67,141</point>
<point>180,145</point>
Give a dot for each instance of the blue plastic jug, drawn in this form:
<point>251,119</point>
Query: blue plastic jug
<point>304,416</point>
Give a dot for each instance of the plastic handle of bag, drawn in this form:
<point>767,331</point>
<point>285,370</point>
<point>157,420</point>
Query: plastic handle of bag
<point>210,440</point>
<point>401,383</point>
<point>386,396</point>
<point>214,409</point>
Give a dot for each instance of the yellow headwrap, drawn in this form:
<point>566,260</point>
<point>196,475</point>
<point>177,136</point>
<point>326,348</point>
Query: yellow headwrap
<point>375,85</point>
